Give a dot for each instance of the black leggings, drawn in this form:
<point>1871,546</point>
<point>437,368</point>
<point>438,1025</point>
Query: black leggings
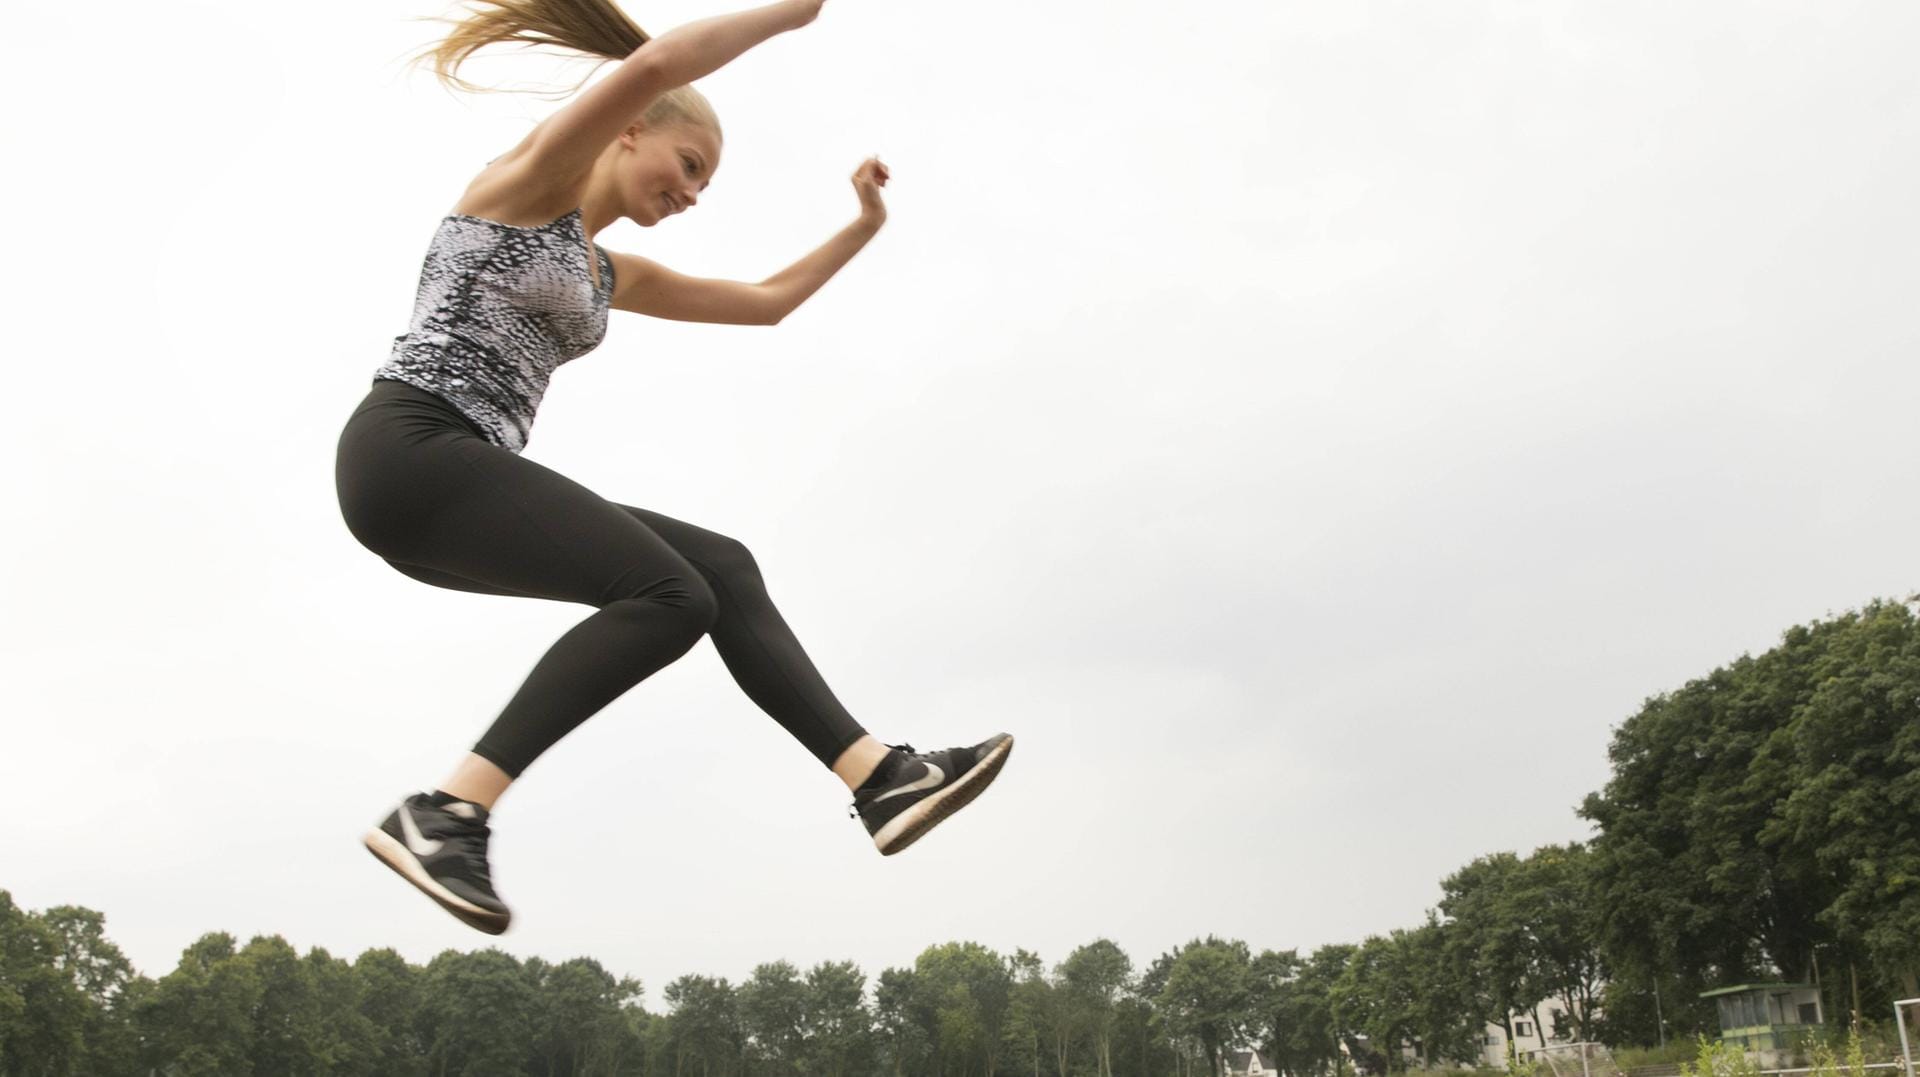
<point>420,487</point>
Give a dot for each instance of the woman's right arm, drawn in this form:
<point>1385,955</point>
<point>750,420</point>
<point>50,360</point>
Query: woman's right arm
<point>564,146</point>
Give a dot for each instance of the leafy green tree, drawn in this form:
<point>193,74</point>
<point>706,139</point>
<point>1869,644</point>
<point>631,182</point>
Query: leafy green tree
<point>772,1009</point>
<point>346,1041</point>
<point>1488,943</point>
<point>1031,993</point>
<point>661,1046</point>
<point>1852,818</point>
<point>198,1019</point>
<point>970,989</point>
<point>1314,1016</point>
<point>835,1023</point>
<point>1557,903</point>
<point>1375,996</point>
<point>581,1018</point>
<point>1096,977</point>
<point>1138,1049</point>
<point>44,1011</point>
<point>1446,1026</point>
<point>1756,820</point>
<point>1056,1017</point>
<point>706,1026</point>
<point>1208,995</point>
<point>288,1025</point>
<point>1273,993</point>
<point>388,996</point>
<point>1399,991</point>
<point>905,1019</point>
<point>476,1013</point>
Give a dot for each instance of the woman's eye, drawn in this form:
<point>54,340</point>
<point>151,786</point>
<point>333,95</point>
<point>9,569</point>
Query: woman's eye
<point>688,161</point>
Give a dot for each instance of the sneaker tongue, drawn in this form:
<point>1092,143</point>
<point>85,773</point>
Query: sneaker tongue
<point>884,771</point>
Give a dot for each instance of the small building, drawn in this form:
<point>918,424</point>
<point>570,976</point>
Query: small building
<point>1250,1064</point>
<point>1766,1017</point>
<point>1529,1039</point>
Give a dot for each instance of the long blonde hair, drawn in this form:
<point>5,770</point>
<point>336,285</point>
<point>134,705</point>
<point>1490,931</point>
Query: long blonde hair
<point>591,27</point>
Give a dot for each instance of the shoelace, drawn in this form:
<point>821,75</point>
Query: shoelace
<point>473,853</point>
<point>853,809</point>
<point>468,837</point>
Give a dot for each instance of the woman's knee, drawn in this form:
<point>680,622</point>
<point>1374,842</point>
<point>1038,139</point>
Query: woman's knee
<point>686,600</point>
<point>730,561</point>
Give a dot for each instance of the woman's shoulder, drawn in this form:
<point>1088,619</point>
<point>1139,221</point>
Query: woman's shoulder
<point>508,192</point>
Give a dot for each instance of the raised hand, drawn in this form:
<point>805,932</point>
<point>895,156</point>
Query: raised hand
<point>867,181</point>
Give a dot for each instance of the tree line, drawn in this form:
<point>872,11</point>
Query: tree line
<point>1762,821</point>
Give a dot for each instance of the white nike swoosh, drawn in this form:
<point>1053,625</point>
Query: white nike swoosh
<point>933,777</point>
<point>417,842</point>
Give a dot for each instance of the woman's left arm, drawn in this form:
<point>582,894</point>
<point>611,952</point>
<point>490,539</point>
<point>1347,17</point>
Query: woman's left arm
<point>646,287</point>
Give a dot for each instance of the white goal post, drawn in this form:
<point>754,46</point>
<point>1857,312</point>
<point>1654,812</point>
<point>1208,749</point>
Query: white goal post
<point>1900,1018</point>
<point>1576,1059</point>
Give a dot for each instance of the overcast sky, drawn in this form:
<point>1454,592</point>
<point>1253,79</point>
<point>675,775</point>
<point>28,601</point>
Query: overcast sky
<point>1309,428</point>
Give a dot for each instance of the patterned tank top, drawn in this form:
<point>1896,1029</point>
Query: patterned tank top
<point>499,307</point>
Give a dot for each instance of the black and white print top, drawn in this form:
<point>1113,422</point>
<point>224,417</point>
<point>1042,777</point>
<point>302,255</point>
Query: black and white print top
<point>499,307</point>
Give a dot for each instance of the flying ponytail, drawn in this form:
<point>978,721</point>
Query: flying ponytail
<point>591,27</point>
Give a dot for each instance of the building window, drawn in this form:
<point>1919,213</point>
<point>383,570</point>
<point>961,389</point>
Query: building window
<point>1521,1028</point>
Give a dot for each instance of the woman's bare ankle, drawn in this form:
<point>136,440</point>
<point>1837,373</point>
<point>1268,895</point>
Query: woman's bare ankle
<point>477,781</point>
<point>855,765</point>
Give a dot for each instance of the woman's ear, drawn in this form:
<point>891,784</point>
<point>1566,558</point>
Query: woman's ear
<point>632,134</point>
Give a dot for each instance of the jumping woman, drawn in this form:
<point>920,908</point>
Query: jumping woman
<point>429,472</point>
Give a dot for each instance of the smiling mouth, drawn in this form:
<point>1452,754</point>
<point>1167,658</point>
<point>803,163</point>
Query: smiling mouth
<point>668,199</point>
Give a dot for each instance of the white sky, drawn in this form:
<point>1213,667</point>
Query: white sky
<point>1308,427</point>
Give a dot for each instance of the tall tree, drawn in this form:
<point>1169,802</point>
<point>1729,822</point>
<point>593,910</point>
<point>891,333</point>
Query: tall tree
<point>1097,976</point>
<point>1562,915</point>
<point>706,1026</point>
<point>1375,997</point>
<point>1026,1016</point>
<point>1755,819</point>
<point>198,1019</point>
<point>1208,995</point>
<point>1273,986</point>
<point>1488,942</point>
<point>1853,816</point>
<point>1314,1016</point>
<point>971,991</point>
<point>836,1026</point>
<point>580,1021</point>
<point>44,1010</point>
<point>905,1020</point>
<point>772,1010</point>
<point>477,1010</point>
<point>388,996</point>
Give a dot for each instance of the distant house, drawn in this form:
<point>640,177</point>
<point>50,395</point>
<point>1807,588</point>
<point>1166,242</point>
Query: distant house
<point>1528,1036</point>
<point>1250,1064</point>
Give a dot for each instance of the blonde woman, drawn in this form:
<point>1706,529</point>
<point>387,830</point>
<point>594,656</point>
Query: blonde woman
<point>429,472</point>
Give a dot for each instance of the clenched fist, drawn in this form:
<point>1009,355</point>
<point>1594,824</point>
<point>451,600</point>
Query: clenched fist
<point>867,181</point>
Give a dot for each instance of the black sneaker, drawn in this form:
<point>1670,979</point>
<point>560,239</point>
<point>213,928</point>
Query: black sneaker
<point>910,793</point>
<point>442,849</point>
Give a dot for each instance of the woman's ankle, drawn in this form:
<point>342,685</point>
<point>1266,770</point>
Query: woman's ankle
<point>477,780</point>
<point>856,764</point>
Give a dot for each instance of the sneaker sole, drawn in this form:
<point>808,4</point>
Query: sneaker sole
<point>408,867</point>
<point>911,825</point>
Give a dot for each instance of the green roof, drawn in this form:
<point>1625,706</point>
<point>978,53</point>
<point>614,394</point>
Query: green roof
<point>1748,987</point>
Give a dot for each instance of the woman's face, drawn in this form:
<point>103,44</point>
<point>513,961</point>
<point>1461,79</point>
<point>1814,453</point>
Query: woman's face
<point>663,170</point>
